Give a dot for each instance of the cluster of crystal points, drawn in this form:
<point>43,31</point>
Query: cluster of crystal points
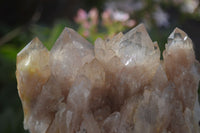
<point>119,85</point>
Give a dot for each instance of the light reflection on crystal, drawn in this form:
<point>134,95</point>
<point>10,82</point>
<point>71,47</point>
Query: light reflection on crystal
<point>28,61</point>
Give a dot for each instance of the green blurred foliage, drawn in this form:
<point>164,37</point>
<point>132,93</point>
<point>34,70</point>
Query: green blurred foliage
<point>11,113</point>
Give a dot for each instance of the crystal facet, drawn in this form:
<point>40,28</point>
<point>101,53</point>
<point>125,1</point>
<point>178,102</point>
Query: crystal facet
<point>118,86</point>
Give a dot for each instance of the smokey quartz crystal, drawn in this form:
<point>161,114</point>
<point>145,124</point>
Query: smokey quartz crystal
<point>119,85</point>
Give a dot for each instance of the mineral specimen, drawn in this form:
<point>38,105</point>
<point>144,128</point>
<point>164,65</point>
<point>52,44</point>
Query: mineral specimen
<point>118,86</point>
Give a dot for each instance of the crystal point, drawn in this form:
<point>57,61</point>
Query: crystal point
<point>118,86</point>
<point>136,46</point>
<point>34,45</point>
<point>72,50</point>
<point>32,61</point>
<point>179,38</point>
<point>33,72</point>
<point>177,33</point>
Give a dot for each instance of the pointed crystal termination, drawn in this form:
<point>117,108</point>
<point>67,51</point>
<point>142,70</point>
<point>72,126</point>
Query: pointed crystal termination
<point>32,68</point>
<point>140,55</point>
<point>69,54</point>
<point>136,47</point>
<point>182,69</point>
<point>32,73</point>
<point>119,86</point>
<point>179,38</point>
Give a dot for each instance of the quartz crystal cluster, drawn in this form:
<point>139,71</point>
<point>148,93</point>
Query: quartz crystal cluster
<point>119,85</point>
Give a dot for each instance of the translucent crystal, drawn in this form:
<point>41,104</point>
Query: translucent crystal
<point>136,47</point>
<point>32,73</point>
<point>118,86</point>
<point>69,54</point>
<point>179,61</point>
<point>180,38</point>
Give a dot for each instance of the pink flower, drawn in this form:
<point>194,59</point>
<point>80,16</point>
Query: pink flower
<point>81,16</point>
<point>106,16</point>
<point>93,15</point>
<point>86,24</point>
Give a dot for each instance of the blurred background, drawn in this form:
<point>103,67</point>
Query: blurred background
<point>22,20</point>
